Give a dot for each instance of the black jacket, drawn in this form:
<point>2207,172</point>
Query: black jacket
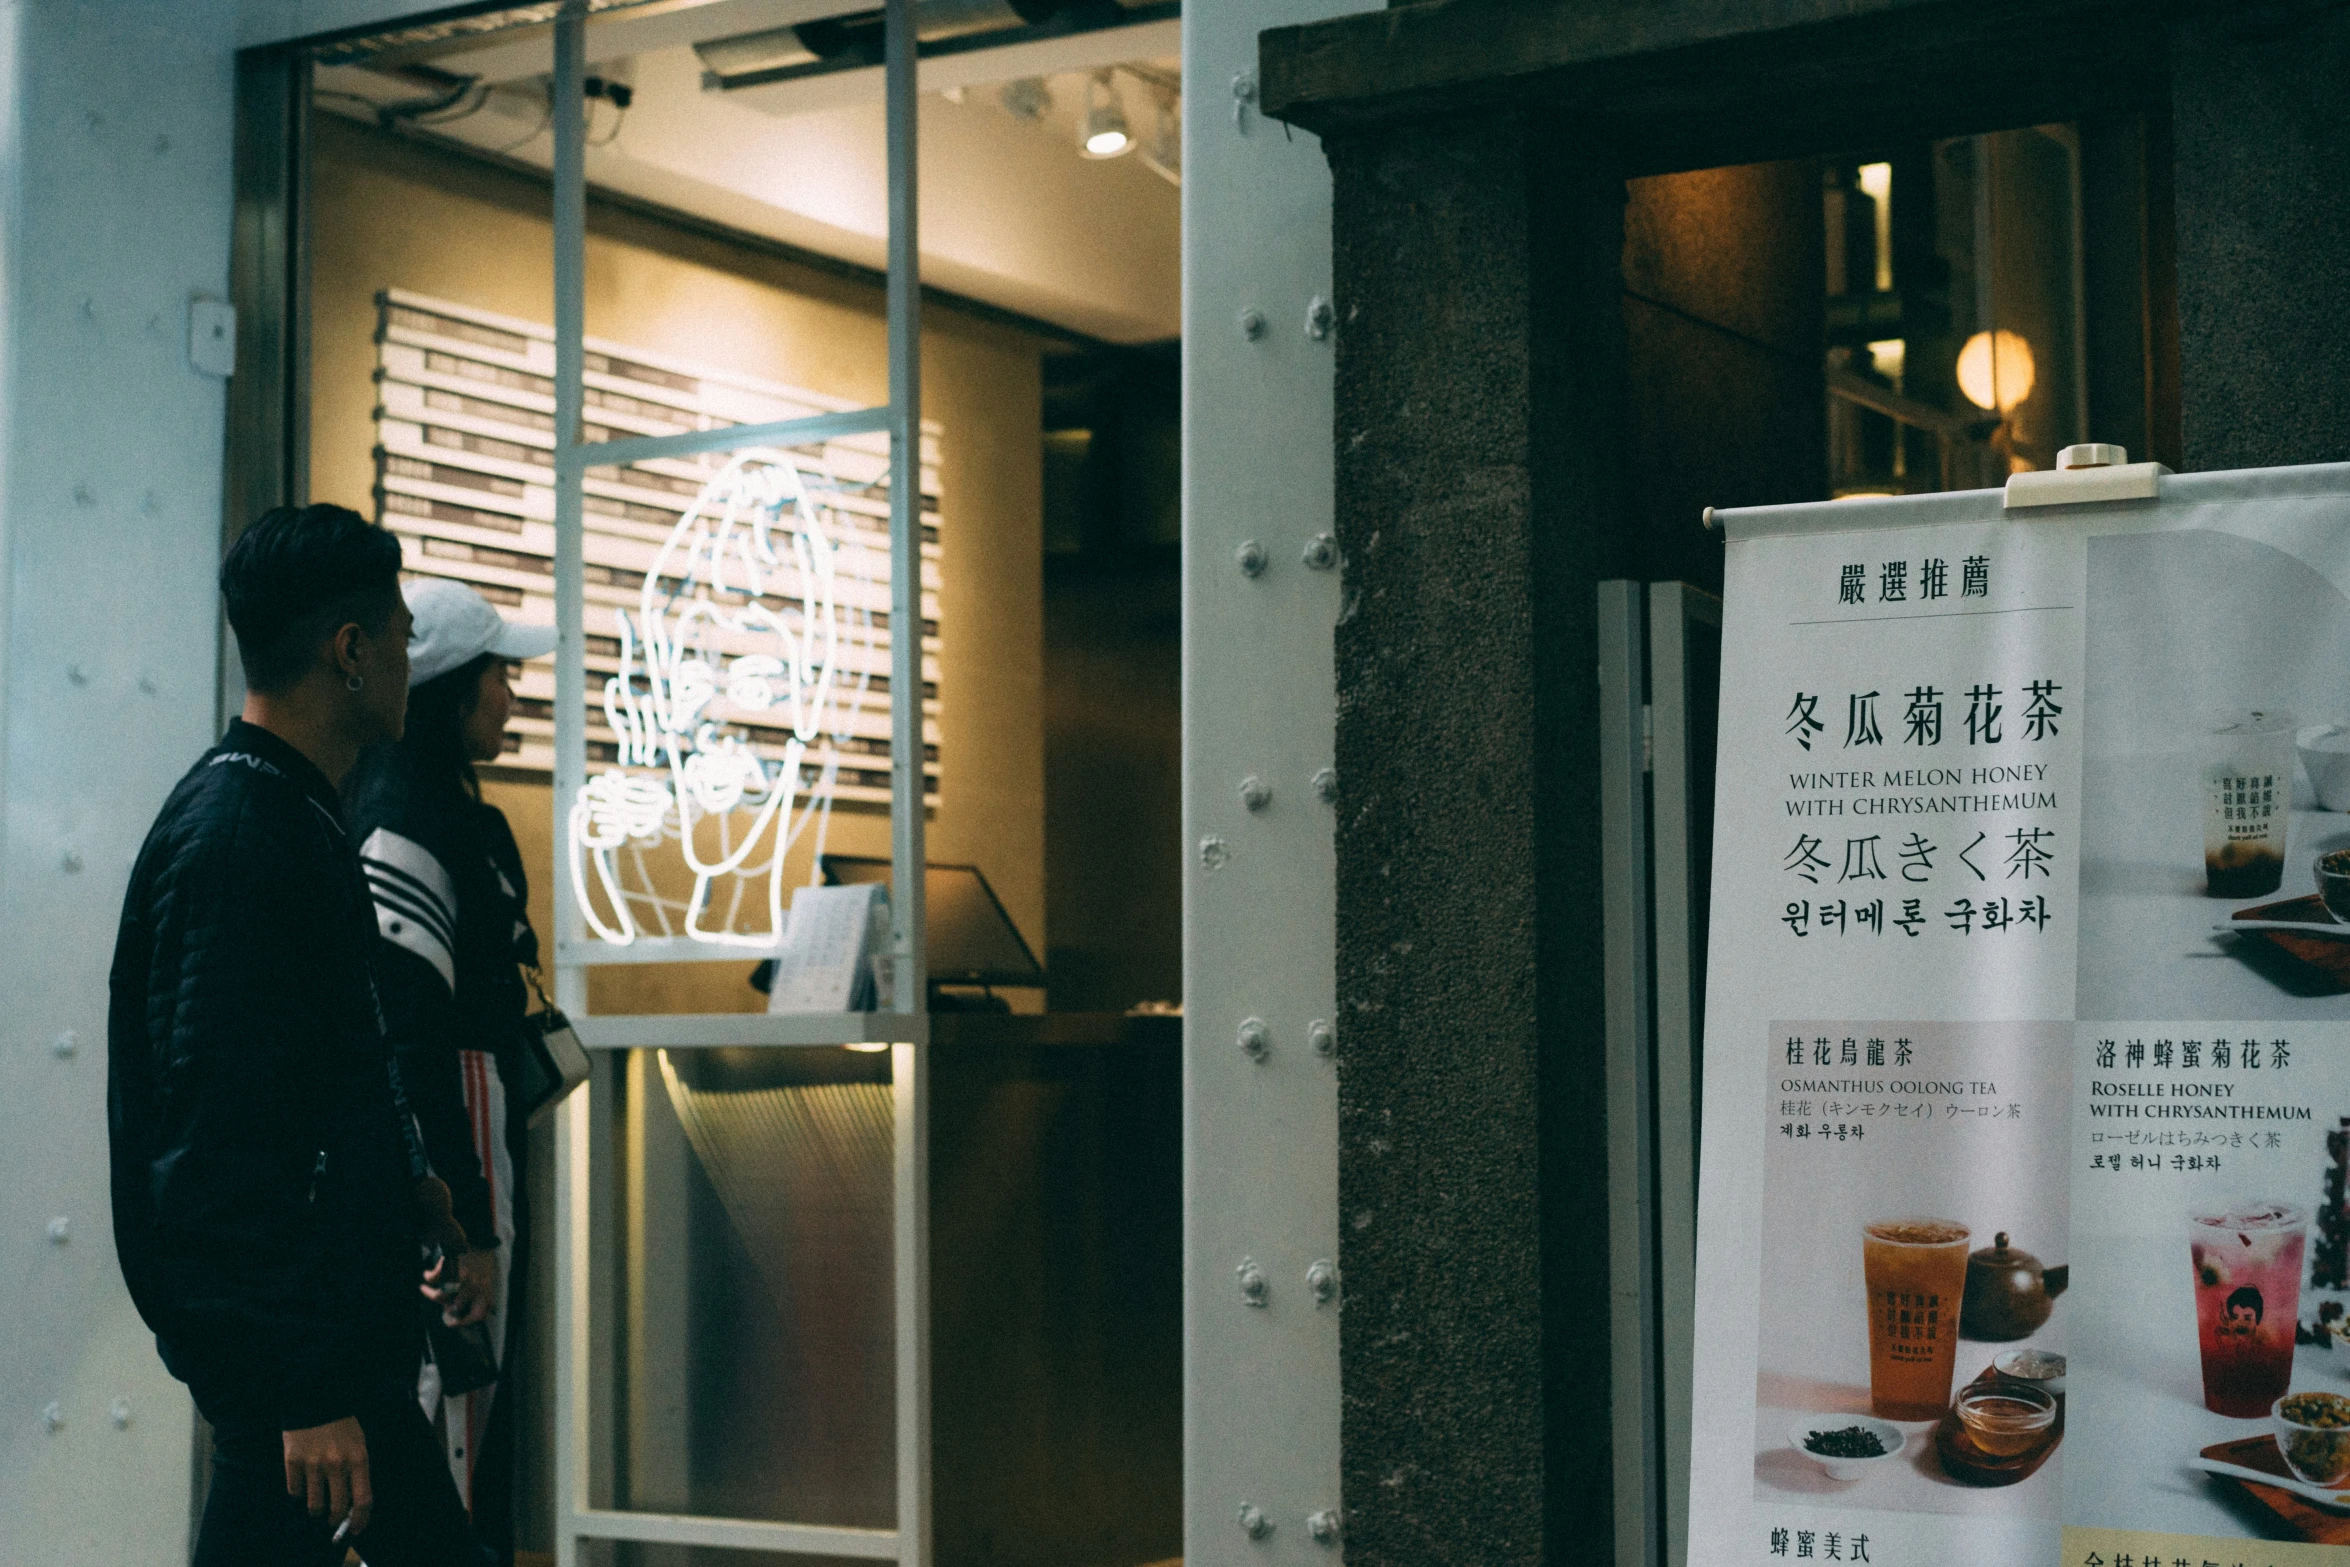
<point>452,913</point>
<point>263,1192</point>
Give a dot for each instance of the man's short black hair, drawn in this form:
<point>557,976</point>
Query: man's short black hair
<point>2246,1297</point>
<point>295,576</point>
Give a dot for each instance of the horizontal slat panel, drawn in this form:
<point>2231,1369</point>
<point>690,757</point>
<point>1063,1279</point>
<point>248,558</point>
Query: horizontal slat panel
<point>465,476</point>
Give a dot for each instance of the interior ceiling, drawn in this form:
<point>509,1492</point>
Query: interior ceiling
<point>1011,214</point>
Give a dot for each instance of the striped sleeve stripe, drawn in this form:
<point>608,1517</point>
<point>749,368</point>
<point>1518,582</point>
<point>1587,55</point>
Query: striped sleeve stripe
<point>397,900</point>
<point>423,891</point>
<point>413,860</point>
<point>401,930</point>
<point>415,901</point>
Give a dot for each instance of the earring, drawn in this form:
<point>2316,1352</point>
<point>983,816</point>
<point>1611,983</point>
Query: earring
<point>356,682</point>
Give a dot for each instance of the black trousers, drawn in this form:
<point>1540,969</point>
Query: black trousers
<point>250,1520</point>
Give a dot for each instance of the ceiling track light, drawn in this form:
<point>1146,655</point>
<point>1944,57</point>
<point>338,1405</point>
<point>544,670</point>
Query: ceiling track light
<point>1027,98</point>
<point>1104,132</point>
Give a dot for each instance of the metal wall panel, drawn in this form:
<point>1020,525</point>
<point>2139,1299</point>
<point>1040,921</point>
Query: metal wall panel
<point>115,139</point>
<point>1261,594</point>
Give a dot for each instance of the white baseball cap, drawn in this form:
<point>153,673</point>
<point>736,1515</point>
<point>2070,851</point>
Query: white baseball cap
<point>455,625</point>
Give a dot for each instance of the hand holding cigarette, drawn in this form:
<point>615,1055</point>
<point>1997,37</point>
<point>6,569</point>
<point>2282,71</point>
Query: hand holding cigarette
<point>327,1466</point>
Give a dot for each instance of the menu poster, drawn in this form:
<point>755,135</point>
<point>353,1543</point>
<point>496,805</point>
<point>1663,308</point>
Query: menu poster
<point>2024,1219</point>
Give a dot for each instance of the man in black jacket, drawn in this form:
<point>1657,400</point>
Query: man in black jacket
<point>265,1201</point>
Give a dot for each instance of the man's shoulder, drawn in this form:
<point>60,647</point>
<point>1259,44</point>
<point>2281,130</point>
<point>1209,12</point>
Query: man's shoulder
<point>231,802</point>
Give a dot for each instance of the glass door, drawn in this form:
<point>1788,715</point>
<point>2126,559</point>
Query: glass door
<point>776,638</point>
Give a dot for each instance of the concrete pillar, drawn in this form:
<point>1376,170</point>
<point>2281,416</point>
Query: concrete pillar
<point>2261,134</point>
<point>1480,368</point>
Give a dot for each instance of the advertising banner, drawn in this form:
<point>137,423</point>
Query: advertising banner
<point>2023,1228</point>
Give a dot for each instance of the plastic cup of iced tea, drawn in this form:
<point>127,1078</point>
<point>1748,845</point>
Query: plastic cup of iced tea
<point>1916,1275</point>
<point>2247,1295</point>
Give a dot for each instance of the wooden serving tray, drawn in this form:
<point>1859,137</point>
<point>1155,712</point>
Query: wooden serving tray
<point>2305,929</point>
<point>1970,1465</point>
<point>2306,1520</point>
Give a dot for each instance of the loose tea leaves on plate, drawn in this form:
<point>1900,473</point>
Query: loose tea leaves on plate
<point>1850,1442</point>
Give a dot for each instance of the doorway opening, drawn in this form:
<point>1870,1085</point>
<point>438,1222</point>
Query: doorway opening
<point>743,1223</point>
<point>1932,314</point>
<point>1929,314</point>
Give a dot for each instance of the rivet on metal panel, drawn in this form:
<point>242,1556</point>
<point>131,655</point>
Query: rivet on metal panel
<point>1326,783</point>
<point>1250,558</point>
<point>120,1413</point>
<point>1255,793</point>
<point>64,1045</point>
<point>60,1230</point>
<point>1322,1037</point>
<point>1322,1281</point>
<point>1256,1040</point>
<point>1319,319</point>
<point>1320,553</point>
<point>70,861</point>
<point>53,1416</point>
<point>1253,1521</point>
<point>1244,97</point>
<point>1214,853</point>
<point>1252,324</point>
<point>1323,1526</point>
<point>1255,1288</point>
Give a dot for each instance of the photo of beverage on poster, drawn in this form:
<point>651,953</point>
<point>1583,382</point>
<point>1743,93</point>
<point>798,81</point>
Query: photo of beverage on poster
<point>2210,1385</point>
<point>2215,872</point>
<point>1914,1286</point>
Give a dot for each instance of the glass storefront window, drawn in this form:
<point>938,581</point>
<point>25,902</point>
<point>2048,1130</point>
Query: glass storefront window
<point>1954,313</point>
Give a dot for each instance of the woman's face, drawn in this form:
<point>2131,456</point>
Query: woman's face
<point>493,704</point>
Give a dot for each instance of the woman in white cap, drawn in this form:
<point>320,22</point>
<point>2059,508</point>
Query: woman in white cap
<point>451,909</point>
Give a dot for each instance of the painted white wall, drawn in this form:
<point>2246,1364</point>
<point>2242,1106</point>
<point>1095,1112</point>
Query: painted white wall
<point>115,150</point>
<point>1260,1139</point>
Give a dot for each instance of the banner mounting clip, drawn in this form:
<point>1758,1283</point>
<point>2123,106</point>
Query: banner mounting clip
<point>2093,471</point>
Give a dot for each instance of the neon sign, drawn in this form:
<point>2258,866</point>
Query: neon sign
<point>754,619</point>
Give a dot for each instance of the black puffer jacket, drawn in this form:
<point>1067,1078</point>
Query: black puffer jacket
<point>451,907</point>
<point>263,1197</point>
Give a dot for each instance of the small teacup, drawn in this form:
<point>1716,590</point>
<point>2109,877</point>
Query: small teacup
<point>2325,752</point>
<point>2333,883</point>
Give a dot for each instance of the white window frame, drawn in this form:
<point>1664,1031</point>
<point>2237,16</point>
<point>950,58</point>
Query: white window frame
<point>584,1153</point>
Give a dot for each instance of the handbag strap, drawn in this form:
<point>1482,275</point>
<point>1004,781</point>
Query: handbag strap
<point>538,986</point>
